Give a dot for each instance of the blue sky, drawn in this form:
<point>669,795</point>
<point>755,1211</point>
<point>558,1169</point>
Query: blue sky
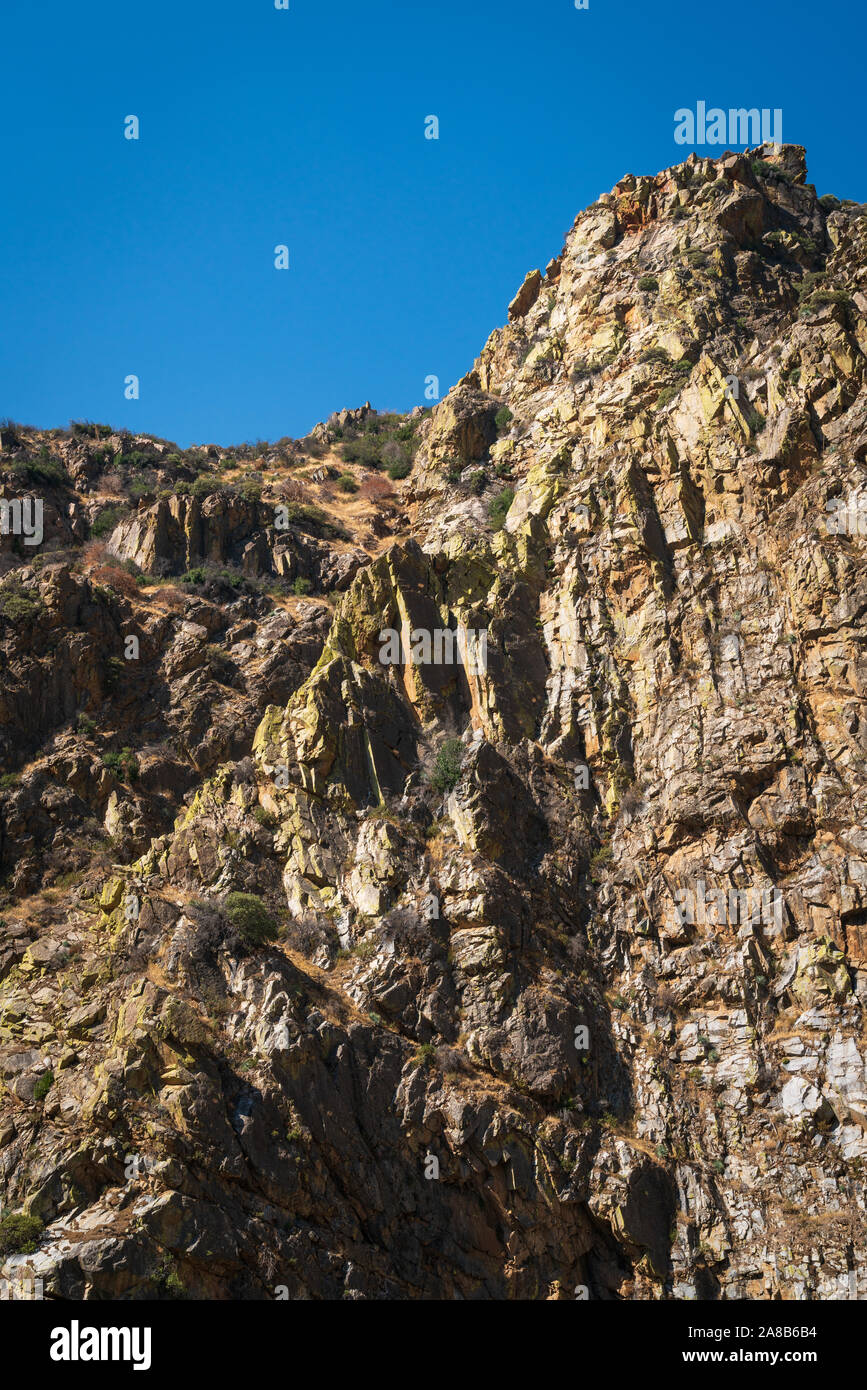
<point>305,127</point>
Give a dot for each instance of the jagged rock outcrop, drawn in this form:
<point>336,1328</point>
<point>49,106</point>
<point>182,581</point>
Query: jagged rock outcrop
<point>565,974</point>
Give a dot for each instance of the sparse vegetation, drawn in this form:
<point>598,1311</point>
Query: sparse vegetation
<point>43,1086</point>
<point>250,917</point>
<point>447,768</point>
<point>105,522</point>
<point>20,1234</point>
<point>124,765</point>
<point>498,507</point>
<point>17,604</point>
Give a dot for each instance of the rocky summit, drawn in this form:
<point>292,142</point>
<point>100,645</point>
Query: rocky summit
<point>433,852</point>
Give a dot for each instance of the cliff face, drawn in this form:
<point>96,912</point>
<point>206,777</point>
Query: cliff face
<point>551,970</point>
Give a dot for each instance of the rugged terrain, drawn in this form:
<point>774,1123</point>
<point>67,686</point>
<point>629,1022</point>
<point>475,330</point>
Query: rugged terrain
<point>492,1020</point>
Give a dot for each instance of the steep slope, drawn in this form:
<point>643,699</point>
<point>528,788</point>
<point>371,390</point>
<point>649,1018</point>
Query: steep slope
<point>551,970</point>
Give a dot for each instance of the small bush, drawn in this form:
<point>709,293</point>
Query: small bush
<point>503,418</point>
<point>366,451</point>
<point>301,587</point>
<point>19,1234</point>
<point>107,520</point>
<point>314,520</point>
<point>654,354</point>
<point>763,169</point>
<point>85,725</point>
<point>346,483</point>
<point>43,1085</point>
<point>123,765</point>
<point>666,395</point>
<point>828,202</point>
<point>477,482</point>
<point>250,918</point>
<point>399,468</point>
<point>826,297</point>
<point>498,507</point>
<point>425,1056</point>
<point>17,604</point>
<point>205,485</point>
<point>447,768</point>
<point>42,469</point>
<point>649,283</point>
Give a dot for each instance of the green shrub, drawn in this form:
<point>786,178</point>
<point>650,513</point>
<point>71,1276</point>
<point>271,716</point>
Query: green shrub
<point>498,507</point>
<point>346,482</point>
<point>204,485</point>
<point>250,918</point>
<point>828,202</point>
<point>43,1085</point>
<point>266,817</point>
<point>503,417</point>
<point>314,520</point>
<point>399,468</point>
<point>301,587</point>
<point>17,604</point>
<point>666,395</point>
<point>19,1234</point>
<point>84,724</point>
<point>763,169</point>
<point>366,451</point>
<point>477,482</point>
<point>140,487</point>
<point>107,520</point>
<point>648,282</point>
<point>90,430</point>
<point>447,767</point>
<point>42,469</point>
<point>123,765</point>
<point>820,297</point>
<point>654,354</point>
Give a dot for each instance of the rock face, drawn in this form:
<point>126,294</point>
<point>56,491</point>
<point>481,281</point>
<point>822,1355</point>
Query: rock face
<point>564,982</point>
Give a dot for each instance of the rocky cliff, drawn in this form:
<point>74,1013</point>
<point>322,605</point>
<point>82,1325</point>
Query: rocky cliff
<point>536,973</point>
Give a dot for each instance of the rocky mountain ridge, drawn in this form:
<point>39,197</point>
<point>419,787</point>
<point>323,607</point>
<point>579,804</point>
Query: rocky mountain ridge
<point>542,978</point>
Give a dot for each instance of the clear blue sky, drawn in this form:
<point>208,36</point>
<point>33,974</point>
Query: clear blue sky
<point>306,127</point>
